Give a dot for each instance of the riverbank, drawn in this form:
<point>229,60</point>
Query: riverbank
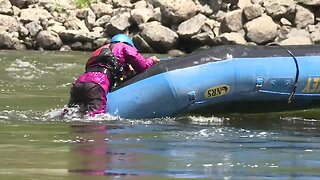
<point>157,26</point>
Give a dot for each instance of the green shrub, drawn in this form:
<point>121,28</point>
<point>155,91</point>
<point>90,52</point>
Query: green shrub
<point>82,3</point>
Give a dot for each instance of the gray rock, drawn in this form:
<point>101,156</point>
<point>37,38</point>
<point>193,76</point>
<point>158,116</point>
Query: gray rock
<point>203,7</point>
<point>33,28</point>
<point>156,15</point>
<point>90,19</point>
<point>6,7</point>
<point>276,11</point>
<point>232,38</point>
<point>8,23</point>
<point>141,44</point>
<point>244,3</point>
<point>101,9</point>
<point>215,5</point>
<point>102,21</point>
<point>294,32</point>
<point>304,17</point>
<point>309,2</point>
<point>232,22</point>
<point>297,41</point>
<point>86,46</point>
<point>191,27</point>
<point>73,23</point>
<point>67,36</point>
<point>54,5</point>
<point>281,2</point>
<point>252,12</point>
<point>6,40</point>
<point>261,30</point>
<point>122,3</point>
<point>159,37</point>
<point>140,4</point>
<point>141,15</point>
<point>65,48</point>
<point>34,14</point>
<point>77,46</point>
<point>22,3</point>
<point>283,33</point>
<point>118,24</point>
<point>176,53</point>
<point>23,31</point>
<point>176,11</point>
<point>83,36</point>
<point>48,40</point>
<point>204,38</point>
<point>81,13</point>
<point>57,28</point>
<point>99,42</point>
<point>285,22</point>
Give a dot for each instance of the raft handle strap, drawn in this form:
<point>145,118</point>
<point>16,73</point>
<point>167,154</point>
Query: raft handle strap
<point>297,71</point>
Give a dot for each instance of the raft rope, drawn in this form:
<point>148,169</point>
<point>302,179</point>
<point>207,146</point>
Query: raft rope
<point>297,71</point>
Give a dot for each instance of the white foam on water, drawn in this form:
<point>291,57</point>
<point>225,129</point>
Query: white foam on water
<point>62,66</point>
<point>71,114</point>
<point>24,70</point>
<point>208,120</point>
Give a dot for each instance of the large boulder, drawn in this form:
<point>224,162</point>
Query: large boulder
<point>276,11</point>
<point>7,40</point>
<point>48,40</point>
<point>244,3</point>
<point>33,28</point>
<point>304,17</point>
<point>158,36</point>
<point>176,11</point>
<point>8,23</point>
<point>252,12</point>
<point>232,22</point>
<point>192,26</point>
<point>261,30</point>
<point>34,14</point>
<point>67,36</point>
<point>309,2</point>
<point>118,24</point>
<point>100,9</point>
<point>22,3</point>
<point>297,41</point>
<point>6,8</point>
<point>141,15</point>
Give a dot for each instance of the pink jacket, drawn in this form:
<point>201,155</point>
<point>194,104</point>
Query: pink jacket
<point>126,55</point>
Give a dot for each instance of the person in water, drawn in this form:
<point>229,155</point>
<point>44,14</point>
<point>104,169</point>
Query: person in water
<point>108,66</point>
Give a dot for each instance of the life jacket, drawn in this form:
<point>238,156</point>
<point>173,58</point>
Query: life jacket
<point>106,62</point>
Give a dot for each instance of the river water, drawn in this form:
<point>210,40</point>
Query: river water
<point>36,144</point>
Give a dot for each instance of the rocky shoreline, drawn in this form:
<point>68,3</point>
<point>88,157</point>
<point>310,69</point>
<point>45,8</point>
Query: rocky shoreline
<point>174,27</point>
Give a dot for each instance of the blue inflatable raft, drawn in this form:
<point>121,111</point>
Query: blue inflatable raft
<point>223,79</point>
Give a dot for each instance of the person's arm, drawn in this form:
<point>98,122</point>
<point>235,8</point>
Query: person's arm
<point>138,62</point>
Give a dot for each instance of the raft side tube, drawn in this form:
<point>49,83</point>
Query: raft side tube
<point>149,98</point>
<point>202,85</point>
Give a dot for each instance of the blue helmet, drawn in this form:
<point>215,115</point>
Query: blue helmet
<point>123,38</point>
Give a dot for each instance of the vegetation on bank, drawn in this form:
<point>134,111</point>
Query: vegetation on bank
<point>84,3</point>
